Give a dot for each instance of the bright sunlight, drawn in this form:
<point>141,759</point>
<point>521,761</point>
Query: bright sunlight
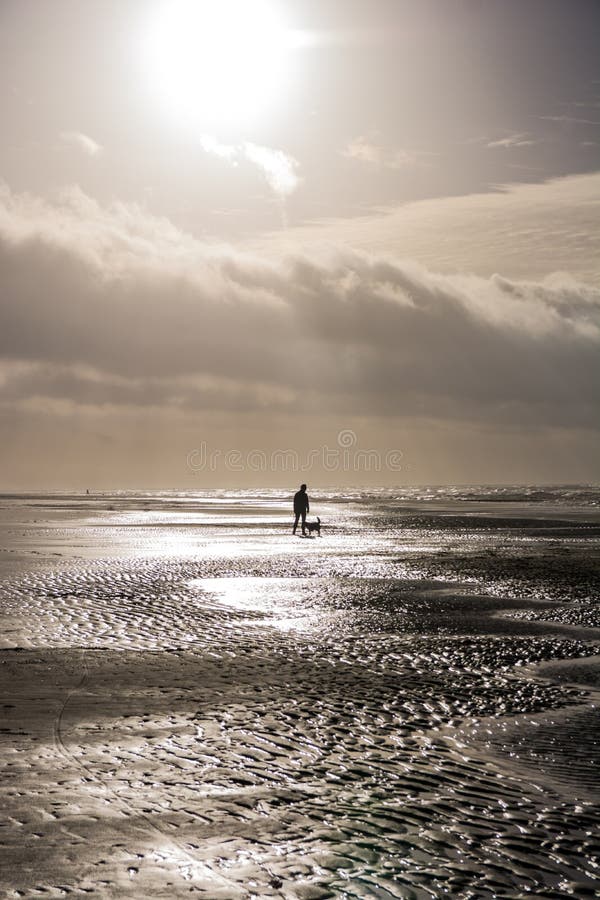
<point>218,63</point>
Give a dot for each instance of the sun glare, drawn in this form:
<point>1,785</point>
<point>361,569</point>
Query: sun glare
<point>217,62</point>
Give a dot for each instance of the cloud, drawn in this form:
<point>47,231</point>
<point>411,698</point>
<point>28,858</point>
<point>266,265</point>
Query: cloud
<point>108,306</point>
<point>513,140</point>
<point>525,231</point>
<point>279,169</point>
<point>210,144</point>
<point>82,142</point>
<point>569,120</point>
<point>367,151</point>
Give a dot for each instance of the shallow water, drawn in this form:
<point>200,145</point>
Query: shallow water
<point>197,702</point>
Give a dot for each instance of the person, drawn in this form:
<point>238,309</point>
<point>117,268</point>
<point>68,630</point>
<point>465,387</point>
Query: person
<point>301,507</point>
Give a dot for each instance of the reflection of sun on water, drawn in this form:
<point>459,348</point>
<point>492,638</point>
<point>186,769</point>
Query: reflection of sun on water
<point>188,867</point>
<point>217,63</point>
<point>277,599</point>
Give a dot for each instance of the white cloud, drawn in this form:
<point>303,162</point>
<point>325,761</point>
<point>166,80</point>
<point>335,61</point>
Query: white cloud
<point>513,140</point>
<point>525,231</point>
<point>279,169</point>
<point>110,305</point>
<point>570,120</point>
<point>210,144</point>
<point>82,141</point>
<point>368,151</point>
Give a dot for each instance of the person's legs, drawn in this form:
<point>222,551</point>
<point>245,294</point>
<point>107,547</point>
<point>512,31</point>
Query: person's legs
<point>304,522</point>
<point>296,523</point>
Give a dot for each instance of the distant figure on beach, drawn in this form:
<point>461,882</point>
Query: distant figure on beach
<point>301,507</point>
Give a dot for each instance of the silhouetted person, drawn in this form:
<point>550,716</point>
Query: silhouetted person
<point>301,507</point>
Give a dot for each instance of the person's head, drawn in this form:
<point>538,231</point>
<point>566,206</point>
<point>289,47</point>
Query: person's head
<point>302,487</point>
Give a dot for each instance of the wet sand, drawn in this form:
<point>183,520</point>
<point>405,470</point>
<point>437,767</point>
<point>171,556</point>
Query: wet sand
<point>199,704</point>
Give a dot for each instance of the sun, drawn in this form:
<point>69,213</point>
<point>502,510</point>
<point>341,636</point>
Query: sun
<point>217,63</point>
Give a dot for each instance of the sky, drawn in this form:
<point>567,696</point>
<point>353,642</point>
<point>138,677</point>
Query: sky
<point>261,242</point>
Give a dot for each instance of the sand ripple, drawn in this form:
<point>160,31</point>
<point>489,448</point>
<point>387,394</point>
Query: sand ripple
<point>285,729</point>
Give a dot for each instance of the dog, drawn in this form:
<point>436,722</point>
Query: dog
<point>314,526</point>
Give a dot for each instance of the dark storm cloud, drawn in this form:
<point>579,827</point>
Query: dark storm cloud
<point>115,307</point>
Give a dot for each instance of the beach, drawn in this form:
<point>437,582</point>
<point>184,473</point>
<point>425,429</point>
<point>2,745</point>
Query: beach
<point>196,702</point>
